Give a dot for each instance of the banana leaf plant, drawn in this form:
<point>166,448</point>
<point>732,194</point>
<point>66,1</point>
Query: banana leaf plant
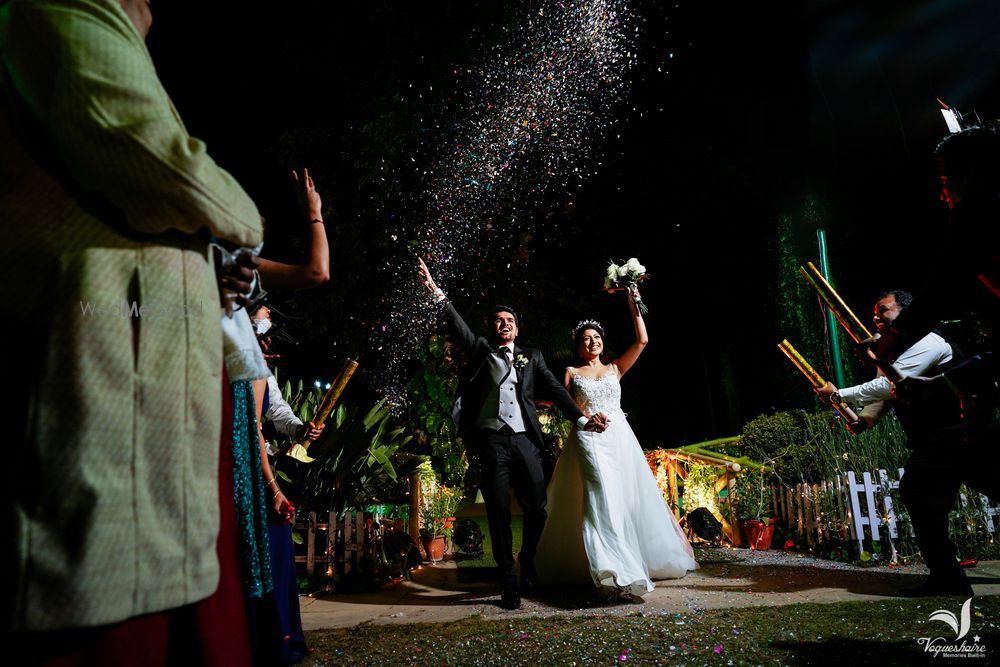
<point>368,448</point>
<point>354,453</point>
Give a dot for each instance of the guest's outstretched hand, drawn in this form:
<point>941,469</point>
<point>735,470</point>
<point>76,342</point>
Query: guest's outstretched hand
<point>309,200</point>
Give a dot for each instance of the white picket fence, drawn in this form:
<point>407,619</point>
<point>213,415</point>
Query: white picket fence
<point>865,508</point>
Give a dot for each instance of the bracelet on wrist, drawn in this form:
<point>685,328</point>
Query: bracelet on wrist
<point>316,220</point>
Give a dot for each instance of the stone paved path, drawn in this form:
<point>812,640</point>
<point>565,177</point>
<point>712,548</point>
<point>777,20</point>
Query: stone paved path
<point>439,593</point>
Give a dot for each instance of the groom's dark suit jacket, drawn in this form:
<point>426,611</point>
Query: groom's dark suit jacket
<point>476,382</point>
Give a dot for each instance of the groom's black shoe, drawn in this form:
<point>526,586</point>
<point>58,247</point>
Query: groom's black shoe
<point>510,598</point>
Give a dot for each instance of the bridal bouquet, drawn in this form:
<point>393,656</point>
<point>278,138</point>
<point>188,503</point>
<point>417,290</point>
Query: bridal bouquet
<point>627,276</point>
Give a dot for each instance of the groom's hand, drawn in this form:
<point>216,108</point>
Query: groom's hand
<point>425,276</point>
<point>597,423</point>
<point>428,280</point>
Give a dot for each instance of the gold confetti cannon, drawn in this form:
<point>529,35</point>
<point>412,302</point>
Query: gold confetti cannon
<point>336,389</point>
<point>815,378</point>
<point>298,450</point>
<point>855,329</point>
<point>852,325</point>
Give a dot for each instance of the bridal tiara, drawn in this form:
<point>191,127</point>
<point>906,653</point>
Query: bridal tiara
<point>587,324</point>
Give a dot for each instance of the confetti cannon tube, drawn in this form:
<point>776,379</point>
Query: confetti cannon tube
<point>298,450</point>
<point>852,325</point>
<point>855,329</point>
<point>814,378</point>
<point>333,394</point>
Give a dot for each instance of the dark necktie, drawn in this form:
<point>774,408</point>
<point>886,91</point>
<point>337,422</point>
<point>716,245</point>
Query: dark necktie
<point>505,354</point>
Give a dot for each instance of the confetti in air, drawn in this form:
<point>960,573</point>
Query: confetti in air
<point>521,127</point>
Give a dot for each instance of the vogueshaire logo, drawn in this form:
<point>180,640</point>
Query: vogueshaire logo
<point>959,647</point>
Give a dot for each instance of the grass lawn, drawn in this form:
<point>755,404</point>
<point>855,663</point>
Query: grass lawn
<point>845,633</point>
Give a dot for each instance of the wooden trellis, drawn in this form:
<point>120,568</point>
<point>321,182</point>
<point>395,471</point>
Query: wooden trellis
<point>350,531</point>
<point>726,481</point>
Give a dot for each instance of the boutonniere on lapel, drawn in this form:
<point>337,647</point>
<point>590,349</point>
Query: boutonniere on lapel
<point>520,361</point>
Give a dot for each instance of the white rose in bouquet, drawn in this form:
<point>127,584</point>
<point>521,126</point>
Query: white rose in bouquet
<point>627,276</point>
<point>612,277</point>
<point>635,267</point>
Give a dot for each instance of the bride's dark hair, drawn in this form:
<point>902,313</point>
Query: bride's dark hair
<point>583,326</point>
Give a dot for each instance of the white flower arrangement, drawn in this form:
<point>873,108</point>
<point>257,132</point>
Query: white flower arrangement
<point>520,362</point>
<point>626,276</point>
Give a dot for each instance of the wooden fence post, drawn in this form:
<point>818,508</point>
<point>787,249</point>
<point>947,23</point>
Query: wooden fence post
<point>311,543</point>
<point>672,486</point>
<point>414,527</point>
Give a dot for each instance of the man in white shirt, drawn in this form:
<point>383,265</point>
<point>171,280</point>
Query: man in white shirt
<point>918,360</point>
<point>935,434</point>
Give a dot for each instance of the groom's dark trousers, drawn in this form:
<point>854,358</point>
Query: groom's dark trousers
<point>510,461</point>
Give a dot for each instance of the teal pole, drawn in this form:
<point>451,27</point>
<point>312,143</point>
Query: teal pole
<point>831,321</point>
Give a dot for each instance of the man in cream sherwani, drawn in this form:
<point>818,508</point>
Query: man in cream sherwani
<point>110,497</point>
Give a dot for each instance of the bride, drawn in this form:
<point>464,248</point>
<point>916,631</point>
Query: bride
<point>608,522</point>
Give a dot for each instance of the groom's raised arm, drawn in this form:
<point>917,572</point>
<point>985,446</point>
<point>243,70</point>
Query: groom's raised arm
<point>466,338</point>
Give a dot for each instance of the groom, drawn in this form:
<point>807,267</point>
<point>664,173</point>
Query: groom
<point>495,414</point>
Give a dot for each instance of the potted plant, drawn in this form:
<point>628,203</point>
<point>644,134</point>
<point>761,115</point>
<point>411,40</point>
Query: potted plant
<point>753,498</point>
<point>437,512</point>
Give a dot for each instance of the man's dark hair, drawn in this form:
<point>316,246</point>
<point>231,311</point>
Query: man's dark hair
<point>902,297</point>
<point>502,308</point>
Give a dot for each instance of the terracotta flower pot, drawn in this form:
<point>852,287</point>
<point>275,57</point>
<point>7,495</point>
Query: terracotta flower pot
<point>758,533</point>
<point>434,547</point>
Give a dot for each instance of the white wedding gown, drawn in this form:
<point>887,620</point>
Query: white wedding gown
<point>608,523</point>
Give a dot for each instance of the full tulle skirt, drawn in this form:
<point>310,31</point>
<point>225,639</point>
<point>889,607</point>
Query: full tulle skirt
<point>608,523</point>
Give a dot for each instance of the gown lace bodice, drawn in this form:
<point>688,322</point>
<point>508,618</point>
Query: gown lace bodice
<point>600,394</point>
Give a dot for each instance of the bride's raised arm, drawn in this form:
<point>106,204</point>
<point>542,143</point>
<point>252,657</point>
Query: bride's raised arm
<point>625,361</point>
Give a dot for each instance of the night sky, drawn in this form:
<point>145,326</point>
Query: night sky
<point>732,118</point>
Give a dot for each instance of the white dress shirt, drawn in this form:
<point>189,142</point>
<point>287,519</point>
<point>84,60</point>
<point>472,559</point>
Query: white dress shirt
<point>917,360</point>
